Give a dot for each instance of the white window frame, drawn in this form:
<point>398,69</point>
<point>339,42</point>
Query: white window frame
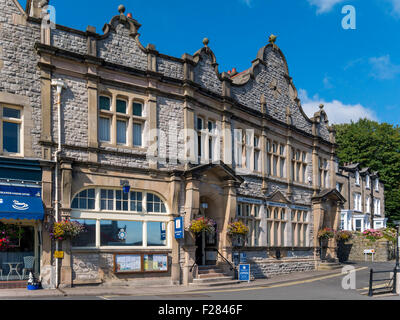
<point>119,215</point>
<point>19,121</point>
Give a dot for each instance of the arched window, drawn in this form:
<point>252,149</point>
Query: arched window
<point>84,200</point>
<point>115,219</point>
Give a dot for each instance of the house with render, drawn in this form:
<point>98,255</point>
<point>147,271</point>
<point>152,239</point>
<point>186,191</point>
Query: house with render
<point>365,206</point>
<point>101,129</point>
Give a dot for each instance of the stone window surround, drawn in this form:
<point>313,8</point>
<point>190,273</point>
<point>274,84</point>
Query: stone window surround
<point>282,225</point>
<point>271,155</point>
<point>250,221</point>
<point>19,121</point>
<point>23,103</point>
<point>298,162</point>
<point>115,95</point>
<point>144,217</point>
<point>323,172</point>
<point>205,135</point>
<point>300,228</point>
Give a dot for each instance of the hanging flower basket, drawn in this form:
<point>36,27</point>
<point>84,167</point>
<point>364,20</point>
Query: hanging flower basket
<point>66,230</point>
<point>237,228</point>
<point>202,224</point>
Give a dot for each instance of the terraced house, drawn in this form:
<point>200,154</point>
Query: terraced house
<point>126,139</point>
<point>365,208</point>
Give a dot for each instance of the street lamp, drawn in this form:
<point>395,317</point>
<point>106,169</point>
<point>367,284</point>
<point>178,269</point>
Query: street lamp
<point>397,224</point>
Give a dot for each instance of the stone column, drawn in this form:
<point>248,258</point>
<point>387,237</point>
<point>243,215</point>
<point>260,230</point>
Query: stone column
<point>318,213</point>
<point>225,244</point>
<point>175,191</point>
<point>192,206</point>
<point>65,211</point>
<point>47,271</point>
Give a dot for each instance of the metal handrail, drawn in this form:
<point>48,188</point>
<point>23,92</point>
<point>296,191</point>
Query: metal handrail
<point>231,265</point>
<point>191,268</point>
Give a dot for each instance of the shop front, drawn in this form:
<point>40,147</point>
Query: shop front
<point>21,213</point>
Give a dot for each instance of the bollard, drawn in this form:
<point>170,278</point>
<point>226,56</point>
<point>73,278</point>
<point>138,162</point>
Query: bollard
<point>370,293</point>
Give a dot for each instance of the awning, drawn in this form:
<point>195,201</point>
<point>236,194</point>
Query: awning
<point>18,202</point>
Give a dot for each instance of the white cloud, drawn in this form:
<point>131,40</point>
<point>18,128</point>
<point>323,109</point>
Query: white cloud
<point>337,111</point>
<point>324,6</point>
<point>383,68</point>
<point>396,7</point>
<point>248,3</point>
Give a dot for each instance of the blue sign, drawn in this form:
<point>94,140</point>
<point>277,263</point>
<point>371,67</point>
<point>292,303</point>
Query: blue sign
<point>179,234</point>
<point>163,231</point>
<point>243,257</point>
<point>236,258</point>
<point>244,272</point>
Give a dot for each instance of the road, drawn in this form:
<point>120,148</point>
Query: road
<point>327,287</point>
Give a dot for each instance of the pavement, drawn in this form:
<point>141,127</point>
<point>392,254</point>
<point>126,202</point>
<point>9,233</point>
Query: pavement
<point>161,290</point>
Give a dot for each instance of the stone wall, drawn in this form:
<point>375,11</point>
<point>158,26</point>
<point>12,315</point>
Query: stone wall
<point>263,264</point>
<point>97,267</point>
<point>19,74</point>
<point>353,250</point>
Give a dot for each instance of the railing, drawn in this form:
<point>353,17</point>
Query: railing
<point>232,267</point>
<point>192,267</point>
<point>391,284</point>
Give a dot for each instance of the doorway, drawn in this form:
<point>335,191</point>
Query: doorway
<point>206,248</point>
<point>18,251</point>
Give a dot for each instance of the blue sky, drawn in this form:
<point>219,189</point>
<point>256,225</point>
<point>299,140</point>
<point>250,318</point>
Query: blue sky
<point>355,73</point>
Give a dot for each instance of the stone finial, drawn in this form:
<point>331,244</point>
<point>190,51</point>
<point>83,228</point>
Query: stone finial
<point>121,9</point>
<point>321,106</point>
<point>272,38</point>
<point>206,42</point>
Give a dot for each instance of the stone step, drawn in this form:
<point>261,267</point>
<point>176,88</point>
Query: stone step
<point>210,275</point>
<point>210,271</point>
<point>214,284</point>
<point>222,278</point>
<point>329,266</point>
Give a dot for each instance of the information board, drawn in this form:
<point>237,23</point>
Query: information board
<point>128,263</point>
<point>140,262</point>
<point>155,262</point>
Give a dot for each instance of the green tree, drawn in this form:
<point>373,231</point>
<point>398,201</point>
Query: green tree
<point>377,146</point>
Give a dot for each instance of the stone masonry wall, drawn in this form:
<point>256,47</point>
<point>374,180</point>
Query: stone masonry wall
<point>18,68</point>
<point>353,250</point>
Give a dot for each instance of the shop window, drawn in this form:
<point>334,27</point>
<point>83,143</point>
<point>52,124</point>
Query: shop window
<point>88,237</point>
<point>84,200</point>
<point>121,233</point>
<point>154,237</point>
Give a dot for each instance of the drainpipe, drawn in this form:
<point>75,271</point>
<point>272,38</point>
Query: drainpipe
<point>59,84</point>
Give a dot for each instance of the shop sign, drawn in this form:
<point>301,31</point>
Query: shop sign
<point>276,204</point>
<point>178,222</point>
<point>59,254</point>
<point>300,208</point>
<point>250,200</point>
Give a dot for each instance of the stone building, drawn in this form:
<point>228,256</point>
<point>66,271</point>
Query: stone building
<point>365,206</point>
<point>128,139</point>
